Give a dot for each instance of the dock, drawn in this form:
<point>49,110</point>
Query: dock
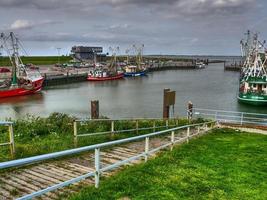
<point>64,79</point>
<point>174,65</point>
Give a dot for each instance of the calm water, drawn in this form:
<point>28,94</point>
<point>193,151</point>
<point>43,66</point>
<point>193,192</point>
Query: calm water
<point>135,97</point>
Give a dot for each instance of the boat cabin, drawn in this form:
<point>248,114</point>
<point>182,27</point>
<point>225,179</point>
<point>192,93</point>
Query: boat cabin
<point>131,69</point>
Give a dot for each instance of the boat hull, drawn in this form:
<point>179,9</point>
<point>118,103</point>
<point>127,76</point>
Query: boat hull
<point>109,78</point>
<point>253,99</point>
<point>135,74</point>
<point>37,86</point>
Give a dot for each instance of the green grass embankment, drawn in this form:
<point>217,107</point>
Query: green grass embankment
<point>37,60</point>
<point>224,164</point>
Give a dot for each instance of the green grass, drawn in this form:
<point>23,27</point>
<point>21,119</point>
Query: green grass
<point>36,135</point>
<point>37,60</point>
<point>224,164</point>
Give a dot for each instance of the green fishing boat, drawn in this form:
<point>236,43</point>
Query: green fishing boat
<point>253,76</point>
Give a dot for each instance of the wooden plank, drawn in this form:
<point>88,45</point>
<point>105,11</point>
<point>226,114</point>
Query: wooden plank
<point>14,186</point>
<point>45,176</point>
<point>67,170</point>
<point>50,173</point>
<point>125,152</point>
<point>60,172</point>
<point>41,177</point>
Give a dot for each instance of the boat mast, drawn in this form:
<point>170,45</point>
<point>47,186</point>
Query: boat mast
<point>113,64</point>
<point>15,56</point>
<point>255,56</point>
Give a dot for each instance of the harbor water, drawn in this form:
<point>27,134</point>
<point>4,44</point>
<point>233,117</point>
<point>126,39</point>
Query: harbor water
<point>211,88</point>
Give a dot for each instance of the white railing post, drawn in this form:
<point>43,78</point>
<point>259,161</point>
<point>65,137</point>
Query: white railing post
<point>154,125</point>
<point>11,139</point>
<point>187,134</point>
<point>172,139</point>
<point>97,167</point>
<point>75,133</point>
<point>198,129</point>
<point>112,128</point>
<point>146,148</point>
<point>241,118</point>
<point>167,123</point>
<point>136,126</point>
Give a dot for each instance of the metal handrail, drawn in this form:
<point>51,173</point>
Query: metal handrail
<point>122,119</point>
<point>233,116</point>
<point>122,131</point>
<point>98,169</point>
<point>34,159</point>
<point>5,123</point>
<point>203,109</point>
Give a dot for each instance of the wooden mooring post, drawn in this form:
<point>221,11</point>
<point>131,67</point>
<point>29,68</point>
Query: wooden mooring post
<point>168,100</point>
<point>95,109</point>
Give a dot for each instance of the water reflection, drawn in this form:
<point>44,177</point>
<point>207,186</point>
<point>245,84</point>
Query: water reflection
<point>211,88</point>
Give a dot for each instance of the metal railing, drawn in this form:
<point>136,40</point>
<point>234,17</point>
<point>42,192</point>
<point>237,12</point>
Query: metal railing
<point>240,118</point>
<point>11,142</point>
<point>98,170</point>
<point>112,130</point>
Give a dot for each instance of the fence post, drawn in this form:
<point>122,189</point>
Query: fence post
<point>11,139</point>
<point>136,126</point>
<point>172,139</point>
<point>167,123</point>
<point>112,128</point>
<point>242,118</point>
<point>187,134</point>
<point>75,133</point>
<point>154,125</point>
<point>216,113</point>
<point>146,148</point>
<point>97,167</point>
<point>198,129</point>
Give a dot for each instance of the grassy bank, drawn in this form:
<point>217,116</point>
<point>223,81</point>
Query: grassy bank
<point>35,135</point>
<point>37,60</point>
<point>225,164</point>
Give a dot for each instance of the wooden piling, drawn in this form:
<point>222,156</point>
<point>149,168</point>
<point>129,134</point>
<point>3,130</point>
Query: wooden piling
<point>95,109</point>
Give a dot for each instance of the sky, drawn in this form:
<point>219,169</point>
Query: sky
<point>183,27</point>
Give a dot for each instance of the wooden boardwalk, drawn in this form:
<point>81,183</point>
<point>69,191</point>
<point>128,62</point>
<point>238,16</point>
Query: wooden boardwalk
<point>21,181</point>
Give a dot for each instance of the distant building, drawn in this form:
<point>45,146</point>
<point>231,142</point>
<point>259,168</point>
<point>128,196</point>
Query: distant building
<point>84,53</point>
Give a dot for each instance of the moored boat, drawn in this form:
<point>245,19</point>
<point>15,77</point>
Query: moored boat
<point>133,71</point>
<point>253,77</point>
<point>105,73</point>
<point>200,65</point>
<point>23,81</point>
<point>138,68</point>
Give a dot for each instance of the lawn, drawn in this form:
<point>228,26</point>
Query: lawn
<point>225,164</point>
<point>37,60</point>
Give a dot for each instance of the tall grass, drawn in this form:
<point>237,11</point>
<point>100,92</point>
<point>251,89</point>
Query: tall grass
<point>37,135</point>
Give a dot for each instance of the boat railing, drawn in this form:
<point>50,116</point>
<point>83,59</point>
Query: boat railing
<point>11,142</point>
<point>223,116</point>
<point>173,136</point>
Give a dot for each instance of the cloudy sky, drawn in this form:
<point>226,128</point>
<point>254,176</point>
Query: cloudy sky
<point>212,27</point>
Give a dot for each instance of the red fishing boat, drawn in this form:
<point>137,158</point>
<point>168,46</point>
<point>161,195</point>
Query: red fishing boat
<point>103,75</point>
<point>106,73</point>
<point>23,81</point>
